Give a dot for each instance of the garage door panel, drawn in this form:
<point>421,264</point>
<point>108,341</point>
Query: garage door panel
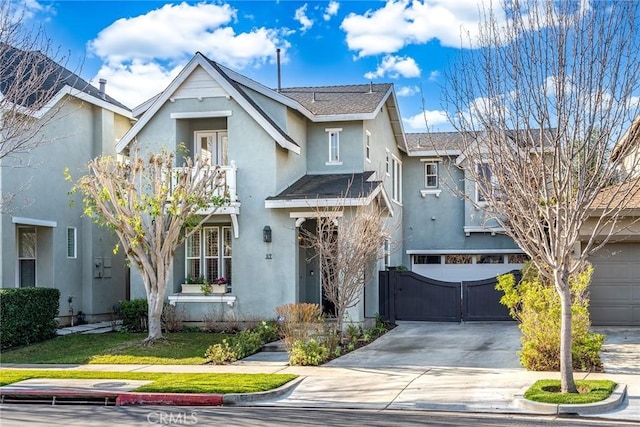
<point>615,285</point>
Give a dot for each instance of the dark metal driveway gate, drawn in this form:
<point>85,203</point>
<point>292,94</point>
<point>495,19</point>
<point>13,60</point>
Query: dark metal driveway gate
<point>405,295</point>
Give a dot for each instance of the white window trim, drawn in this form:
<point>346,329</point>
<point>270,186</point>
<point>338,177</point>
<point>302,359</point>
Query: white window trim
<point>75,243</point>
<point>332,131</point>
<point>19,258</point>
<point>477,193</point>
<point>221,259</point>
<point>437,175</point>
<point>396,180</point>
<point>367,146</point>
<point>387,162</point>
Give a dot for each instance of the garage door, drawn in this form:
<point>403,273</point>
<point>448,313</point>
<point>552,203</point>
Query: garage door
<point>460,267</point>
<point>615,286</point>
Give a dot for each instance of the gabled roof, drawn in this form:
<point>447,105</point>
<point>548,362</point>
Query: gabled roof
<point>340,100</point>
<point>627,192</point>
<point>229,85</point>
<point>347,189</point>
<point>59,82</point>
<point>629,140</point>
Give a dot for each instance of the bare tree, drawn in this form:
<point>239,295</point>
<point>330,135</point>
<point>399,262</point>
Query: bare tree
<point>29,81</point>
<point>153,207</point>
<point>347,248</point>
<point>542,98</point>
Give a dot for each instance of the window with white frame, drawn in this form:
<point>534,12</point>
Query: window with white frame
<point>208,254</point>
<point>334,145</point>
<point>396,190</point>
<point>431,175</point>
<point>367,146</point>
<point>72,242</point>
<point>483,183</point>
<point>387,161</point>
<point>27,252</point>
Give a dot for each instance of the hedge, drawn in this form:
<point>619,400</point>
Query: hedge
<point>27,315</point>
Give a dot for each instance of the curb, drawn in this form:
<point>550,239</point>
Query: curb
<point>239,399</point>
<point>617,397</point>
<point>169,399</point>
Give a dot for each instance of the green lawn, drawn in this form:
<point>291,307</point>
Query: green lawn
<point>590,391</point>
<point>186,348</point>
<point>164,382</point>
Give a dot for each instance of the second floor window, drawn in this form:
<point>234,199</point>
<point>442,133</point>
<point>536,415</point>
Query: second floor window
<point>431,175</point>
<point>367,148</point>
<point>396,193</point>
<point>334,146</point>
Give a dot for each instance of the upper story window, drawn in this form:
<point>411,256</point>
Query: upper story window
<point>72,251</point>
<point>396,193</point>
<point>483,184</point>
<point>212,146</point>
<point>367,146</point>
<point>387,163</point>
<point>431,175</point>
<point>334,146</point>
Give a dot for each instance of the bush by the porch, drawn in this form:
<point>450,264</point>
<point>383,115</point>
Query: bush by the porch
<point>536,305</point>
<point>243,344</point>
<point>27,315</point>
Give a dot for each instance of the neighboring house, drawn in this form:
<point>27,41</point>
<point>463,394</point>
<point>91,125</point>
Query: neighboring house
<point>44,241</point>
<point>446,237</point>
<point>615,286</point>
<point>286,153</point>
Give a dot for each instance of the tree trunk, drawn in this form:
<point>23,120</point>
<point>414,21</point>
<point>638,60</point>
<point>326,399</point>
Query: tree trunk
<point>568,384</point>
<point>154,300</point>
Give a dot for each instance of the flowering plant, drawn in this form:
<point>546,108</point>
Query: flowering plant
<point>221,281</point>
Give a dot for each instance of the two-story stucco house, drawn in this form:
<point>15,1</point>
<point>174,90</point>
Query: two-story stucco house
<point>286,153</point>
<point>43,240</point>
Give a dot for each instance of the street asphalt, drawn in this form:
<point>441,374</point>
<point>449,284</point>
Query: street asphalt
<point>469,367</point>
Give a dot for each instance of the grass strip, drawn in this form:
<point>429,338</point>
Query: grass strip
<point>163,382</point>
<point>187,348</point>
<point>590,391</point>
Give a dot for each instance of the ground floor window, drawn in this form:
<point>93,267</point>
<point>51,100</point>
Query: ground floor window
<point>27,256</point>
<point>208,254</point>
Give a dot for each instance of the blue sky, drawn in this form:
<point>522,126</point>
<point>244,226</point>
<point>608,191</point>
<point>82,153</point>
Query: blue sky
<point>139,46</point>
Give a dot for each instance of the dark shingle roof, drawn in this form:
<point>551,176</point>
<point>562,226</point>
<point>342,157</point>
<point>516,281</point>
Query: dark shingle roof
<point>434,141</point>
<point>13,62</point>
<point>337,100</point>
<point>332,186</point>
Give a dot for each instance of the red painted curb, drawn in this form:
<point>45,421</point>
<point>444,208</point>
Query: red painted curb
<point>169,399</point>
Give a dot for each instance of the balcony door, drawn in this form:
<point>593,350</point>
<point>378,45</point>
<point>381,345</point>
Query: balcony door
<point>211,146</point>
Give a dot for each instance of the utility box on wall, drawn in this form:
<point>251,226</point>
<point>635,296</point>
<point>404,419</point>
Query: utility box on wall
<point>102,267</point>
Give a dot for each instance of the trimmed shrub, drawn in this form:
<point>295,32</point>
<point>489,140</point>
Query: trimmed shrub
<point>27,315</point>
<point>134,315</point>
<point>535,303</point>
<point>241,345</point>
<point>309,353</point>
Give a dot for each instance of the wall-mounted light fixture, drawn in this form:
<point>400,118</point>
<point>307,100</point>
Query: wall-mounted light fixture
<point>266,234</point>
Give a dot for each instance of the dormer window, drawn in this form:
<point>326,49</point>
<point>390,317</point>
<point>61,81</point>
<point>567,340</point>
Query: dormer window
<point>334,146</point>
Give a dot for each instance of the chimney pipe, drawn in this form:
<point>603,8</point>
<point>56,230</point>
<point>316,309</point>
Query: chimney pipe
<point>278,66</point>
<point>103,85</point>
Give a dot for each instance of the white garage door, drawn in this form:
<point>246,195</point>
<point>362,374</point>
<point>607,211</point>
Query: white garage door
<point>615,285</point>
<point>465,267</point>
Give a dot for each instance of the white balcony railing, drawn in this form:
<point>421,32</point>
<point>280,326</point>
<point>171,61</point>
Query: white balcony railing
<point>228,189</point>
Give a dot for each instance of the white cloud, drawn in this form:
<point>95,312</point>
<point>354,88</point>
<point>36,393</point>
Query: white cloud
<point>426,120</point>
<point>331,10</point>
<point>408,91</point>
<point>433,76</point>
<point>145,52</point>
<point>401,22</point>
<point>302,18</point>
<point>394,67</point>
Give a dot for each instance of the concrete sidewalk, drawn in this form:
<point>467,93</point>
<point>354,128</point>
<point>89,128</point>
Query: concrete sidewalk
<point>428,387</point>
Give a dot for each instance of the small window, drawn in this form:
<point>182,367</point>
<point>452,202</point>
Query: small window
<point>367,148</point>
<point>72,242</point>
<point>489,259</point>
<point>458,259</point>
<point>334,146</point>
<point>387,164</point>
<point>431,175</point>
<point>483,185</point>
<point>386,250</point>
<point>396,190</point>
<point>427,259</point>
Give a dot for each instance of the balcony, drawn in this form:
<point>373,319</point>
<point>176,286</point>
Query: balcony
<point>232,207</point>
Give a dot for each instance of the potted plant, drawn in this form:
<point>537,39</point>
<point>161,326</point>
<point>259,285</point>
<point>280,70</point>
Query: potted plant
<point>193,285</point>
<point>219,286</point>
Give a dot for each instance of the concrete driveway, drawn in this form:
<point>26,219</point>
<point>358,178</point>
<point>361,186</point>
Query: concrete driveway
<point>422,344</point>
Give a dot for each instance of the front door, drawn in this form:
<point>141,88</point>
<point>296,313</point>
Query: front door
<point>211,146</point>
